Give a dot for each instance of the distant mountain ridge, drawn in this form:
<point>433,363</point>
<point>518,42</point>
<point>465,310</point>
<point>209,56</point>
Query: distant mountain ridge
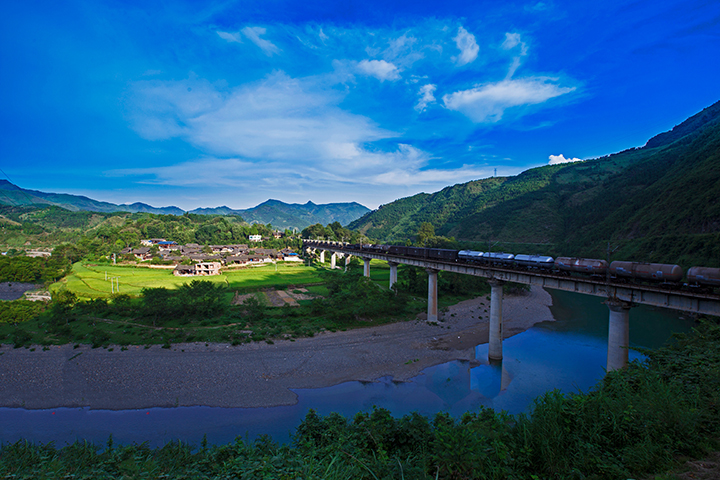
<point>660,202</point>
<point>279,214</point>
<point>288,215</point>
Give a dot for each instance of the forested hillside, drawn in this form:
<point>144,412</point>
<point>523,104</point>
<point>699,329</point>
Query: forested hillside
<point>32,226</point>
<point>655,203</point>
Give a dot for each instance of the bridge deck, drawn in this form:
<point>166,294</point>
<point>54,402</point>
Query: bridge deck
<point>657,296</point>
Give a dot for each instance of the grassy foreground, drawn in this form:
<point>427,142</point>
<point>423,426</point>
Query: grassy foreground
<point>636,422</point>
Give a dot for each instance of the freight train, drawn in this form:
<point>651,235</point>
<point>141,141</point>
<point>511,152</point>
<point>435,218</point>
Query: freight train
<point>619,271</point>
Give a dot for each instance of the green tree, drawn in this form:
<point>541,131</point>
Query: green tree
<point>426,232</point>
<point>157,304</point>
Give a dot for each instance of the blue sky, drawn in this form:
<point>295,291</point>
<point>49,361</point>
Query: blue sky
<point>202,104</point>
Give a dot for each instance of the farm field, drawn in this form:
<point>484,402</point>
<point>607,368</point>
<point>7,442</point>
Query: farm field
<point>90,281</point>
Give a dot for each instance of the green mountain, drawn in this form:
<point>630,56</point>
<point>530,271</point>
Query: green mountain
<point>294,215</point>
<point>281,215</point>
<point>13,195</point>
<point>658,203</point>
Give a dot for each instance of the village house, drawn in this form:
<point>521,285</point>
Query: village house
<point>141,254</point>
<point>198,269</point>
<point>255,238</point>
<point>155,241</point>
<point>205,263</point>
<point>37,253</point>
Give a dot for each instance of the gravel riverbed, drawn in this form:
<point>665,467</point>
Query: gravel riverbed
<point>252,375</point>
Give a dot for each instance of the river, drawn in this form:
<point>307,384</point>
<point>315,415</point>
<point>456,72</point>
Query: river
<point>568,354</point>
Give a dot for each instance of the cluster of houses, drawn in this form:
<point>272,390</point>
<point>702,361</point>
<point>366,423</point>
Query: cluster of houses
<point>208,260</point>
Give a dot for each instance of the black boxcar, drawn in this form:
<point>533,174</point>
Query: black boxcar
<point>442,254</point>
<point>418,252</point>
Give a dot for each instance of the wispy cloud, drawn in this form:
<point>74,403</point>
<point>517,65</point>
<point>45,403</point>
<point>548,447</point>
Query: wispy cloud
<point>558,159</point>
<point>467,45</point>
<point>253,34</point>
<point>379,69</point>
<point>230,37</point>
<point>487,103</point>
<point>426,97</point>
<point>513,41</point>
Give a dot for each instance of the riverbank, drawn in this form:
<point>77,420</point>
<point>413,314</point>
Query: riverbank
<point>252,375</point>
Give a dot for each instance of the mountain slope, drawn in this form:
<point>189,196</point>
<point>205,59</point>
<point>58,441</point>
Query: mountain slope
<point>657,203</point>
<point>293,215</point>
<point>281,215</point>
<point>13,195</point>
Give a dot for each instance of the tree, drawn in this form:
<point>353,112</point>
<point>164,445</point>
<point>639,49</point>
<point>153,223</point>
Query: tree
<point>157,304</point>
<point>425,233</point>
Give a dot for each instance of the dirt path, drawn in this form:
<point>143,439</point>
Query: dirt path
<point>250,375</point>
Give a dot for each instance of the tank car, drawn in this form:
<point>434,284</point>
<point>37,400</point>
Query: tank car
<point>534,261</point>
<point>658,272</point>
<point>470,256</point>
<point>498,258</point>
<point>704,276</point>
<point>581,265</point>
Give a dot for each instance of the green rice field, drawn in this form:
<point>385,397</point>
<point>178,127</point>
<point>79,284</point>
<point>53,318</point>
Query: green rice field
<point>89,280</point>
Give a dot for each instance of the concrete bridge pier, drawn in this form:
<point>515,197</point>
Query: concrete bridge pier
<point>496,325</point>
<point>618,334</point>
<point>322,256</point>
<point>347,261</point>
<point>432,314</point>
<point>333,259</point>
<point>393,273</point>
<point>366,267</point>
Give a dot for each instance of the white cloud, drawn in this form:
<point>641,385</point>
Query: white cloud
<point>513,40</point>
<point>230,37</point>
<point>487,103</point>
<point>379,69</point>
<point>274,133</point>
<point>558,159</point>
<point>253,34</point>
<point>469,49</point>
<point>426,97</point>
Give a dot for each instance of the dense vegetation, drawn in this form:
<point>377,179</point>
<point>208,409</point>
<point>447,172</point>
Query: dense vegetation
<point>38,269</point>
<point>656,203</point>
<point>333,232</point>
<point>100,234</point>
<point>634,422</point>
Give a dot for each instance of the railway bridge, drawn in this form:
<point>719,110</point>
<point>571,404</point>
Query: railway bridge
<point>620,297</point>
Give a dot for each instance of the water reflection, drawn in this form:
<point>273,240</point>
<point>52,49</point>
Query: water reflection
<point>568,354</point>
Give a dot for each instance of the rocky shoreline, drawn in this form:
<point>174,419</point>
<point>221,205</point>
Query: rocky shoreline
<point>252,375</point>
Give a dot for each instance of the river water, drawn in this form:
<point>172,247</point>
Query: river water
<point>568,354</point>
